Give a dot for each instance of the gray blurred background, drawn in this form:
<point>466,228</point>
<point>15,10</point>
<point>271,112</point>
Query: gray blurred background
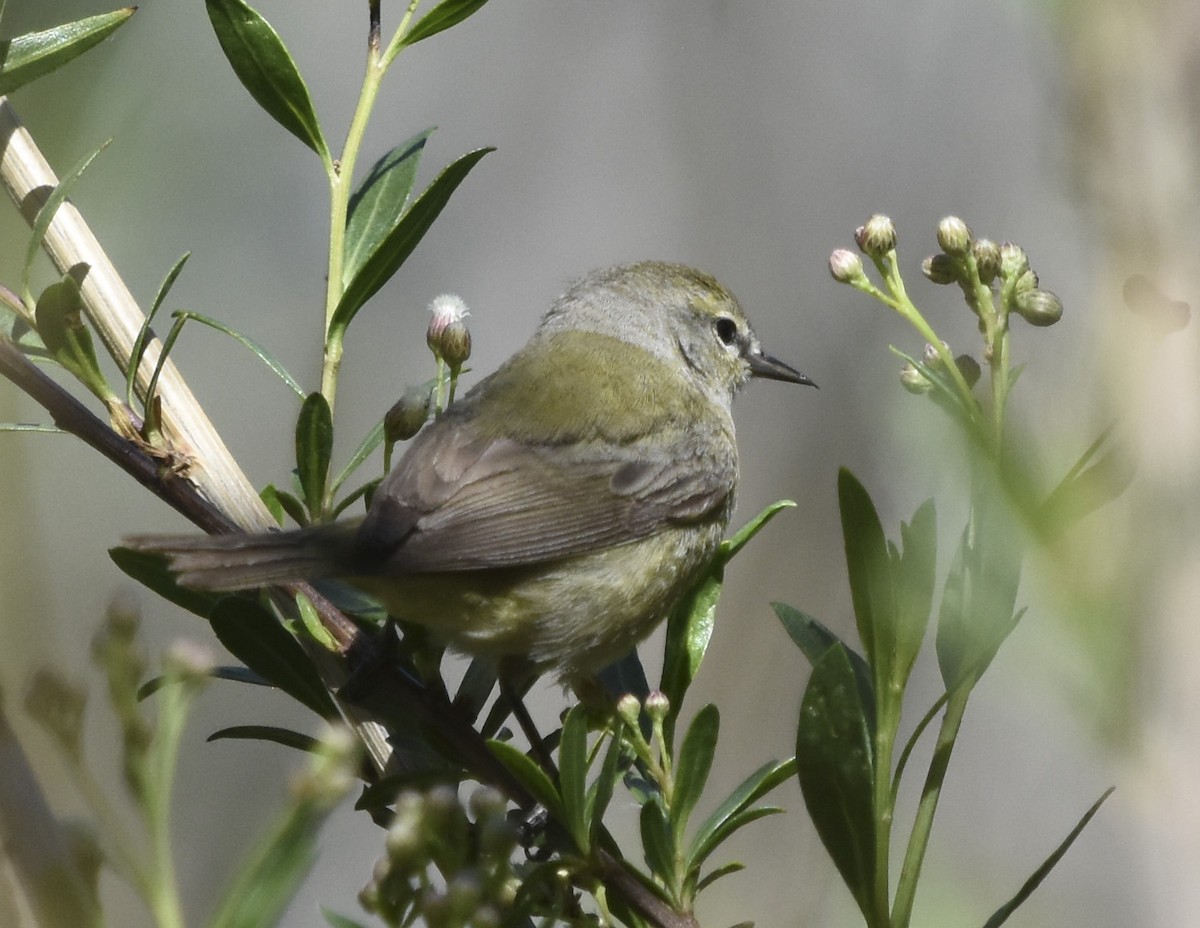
<point>748,139</point>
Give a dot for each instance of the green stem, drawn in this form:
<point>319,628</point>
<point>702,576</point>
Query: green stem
<point>918,841</point>
<point>882,800</point>
<point>341,180</point>
<point>160,777</point>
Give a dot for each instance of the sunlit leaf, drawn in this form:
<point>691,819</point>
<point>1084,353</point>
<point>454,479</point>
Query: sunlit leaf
<point>722,823</point>
<point>314,448</point>
<point>529,775</point>
<point>27,57</point>
<point>446,14</point>
<point>572,774</point>
<point>144,333</point>
<point>692,766</point>
<point>265,67</point>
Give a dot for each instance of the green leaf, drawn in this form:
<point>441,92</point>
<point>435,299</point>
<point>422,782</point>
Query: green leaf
<point>601,791</point>
<point>271,733</point>
<point>246,341</point>
<point>311,620</point>
<point>144,333</point>
<point>869,565</point>
<point>340,921</point>
<point>45,215</point>
<point>731,546</point>
<point>572,775</point>
<point>369,443</point>
<point>314,448</point>
<point>446,14</point>
<point>715,875</point>
<point>658,843</point>
<point>59,316</point>
<point>377,205</point>
<point>978,602</point>
<point>834,765</point>
<point>1001,914</point>
<point>265,67</point>
<point>234,672</point>
<point>153,572</point>
<point>814,639</point>
<point>735,822</point>
<point>723,822</point>
<point>689,630</point>
<point>253,636</point>
<point>529,775</point>
<point>914,572</point>
<point>477,685</point>
<point>27,57</point>
<point>394,250</point>
<point>692,766</point>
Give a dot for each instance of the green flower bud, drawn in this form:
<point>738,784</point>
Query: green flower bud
<point>913,380</point>
<point>189,662</point>
<point>1027,281</point>
<point>487,802</point>
<point>1039,307</point>
<point>987,259</point>
<point>933,357</point>
<point>877,237</point>
<point>657,705</point>
<point>57,705</point>
<point>486,916</point>
<point>1013,261</point>
<point>941,269</point>
<point>408,415</point>
<point>845,266</point>
<point>953,236</point>
<point>629,710</point>
<point>448,337</point>
<point>969,368</point>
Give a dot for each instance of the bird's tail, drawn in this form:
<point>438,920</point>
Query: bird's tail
<point>246,561</point>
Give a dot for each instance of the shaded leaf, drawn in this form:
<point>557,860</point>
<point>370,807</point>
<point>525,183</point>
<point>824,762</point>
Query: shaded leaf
<point>529,775</point>
<point>45,215</point>
<point>233,672</point>
<point>314,448</point>
<point>394,250</point>
<point>477,685</point>
<point>377,205</point>
<point>59,316</point>
<point>253,636</point>
<point>370,442</point>
<point>572,775</point>
<point>869,566</point>
<point>1001,914</point>
<point>446,14</point>
<point>718,826</point>
<point>814,639</point>
<point>715,875</point>
<point>692,766</point>
<point>153,572</point>
<point>265,67</point>
<point>658,842</point>
<point>834,765</point>
<point>339,921</point>
<point>311,621</point>
<point>914,572</point>
<point>27,57</point>
<point>271,733</point>
<point>601,791</point>
<point>382,794</point>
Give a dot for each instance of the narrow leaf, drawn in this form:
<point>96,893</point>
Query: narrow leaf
<point>477,685</point>
<point>692,766</point>
<point>716,874</point>
<point>143,336</point>
<point>311,621</point>
<point>446,14</point>
<point>601,791</point>
<point>531,776</point>
<point>271,733</point>
<point>394,250</point>
<point>246,341</point>
<point>45,215</point>
<point>314,447</point>
<point>1001,914</point>
<point>658,843</point>
<point>229,672</point>
<point>265,67</point>
<point>572,774</point>
<point>835,767</point>
<point>377,205</point>
<point>716,827</point>
<point>731,546</point>
<point>339,921</point>
<point>869,566</point>
<point>689,630</point>
<point>369,443</point>
<point>152,572</point>
<point>253,636</point>
<point>27,57</point>
<point>914,572</point>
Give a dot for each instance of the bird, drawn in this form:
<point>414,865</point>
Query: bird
<point>556,512</point>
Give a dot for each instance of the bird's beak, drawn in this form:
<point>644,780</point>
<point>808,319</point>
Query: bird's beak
<point>763,365</point>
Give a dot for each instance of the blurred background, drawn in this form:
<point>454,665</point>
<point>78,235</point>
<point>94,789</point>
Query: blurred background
<point>749,140</point>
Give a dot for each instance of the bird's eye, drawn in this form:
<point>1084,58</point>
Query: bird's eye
<point>726,330</point>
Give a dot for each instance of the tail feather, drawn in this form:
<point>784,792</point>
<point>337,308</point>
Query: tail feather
<point>240,562</point>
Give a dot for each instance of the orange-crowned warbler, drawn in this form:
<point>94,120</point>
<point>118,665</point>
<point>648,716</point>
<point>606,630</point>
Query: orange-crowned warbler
<point>557,511</point>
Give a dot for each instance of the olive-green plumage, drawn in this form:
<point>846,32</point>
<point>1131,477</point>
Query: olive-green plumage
<point>559,509</point>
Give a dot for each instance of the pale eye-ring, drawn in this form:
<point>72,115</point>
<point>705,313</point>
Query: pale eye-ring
<point>726,329</point>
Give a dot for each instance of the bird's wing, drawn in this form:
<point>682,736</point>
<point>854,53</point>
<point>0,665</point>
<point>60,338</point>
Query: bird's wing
<point>459,501</point>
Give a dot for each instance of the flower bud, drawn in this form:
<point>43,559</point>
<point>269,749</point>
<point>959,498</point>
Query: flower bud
<point>933,357</point>
<point>987,259</point>
<point>913,380</point>
<point>969,368</point>
<point>1039,307</point>
<point>448,337</point>
<point>629,710</point>
<point>408,415</point>
<point>940,269</point>
<point>954,236</point>
<point>57,704</point>
<point>1027,281</point>
<point>1013,261</point>
<point>657,705</point>
<point>845,266</point>
<point>877,237</point>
